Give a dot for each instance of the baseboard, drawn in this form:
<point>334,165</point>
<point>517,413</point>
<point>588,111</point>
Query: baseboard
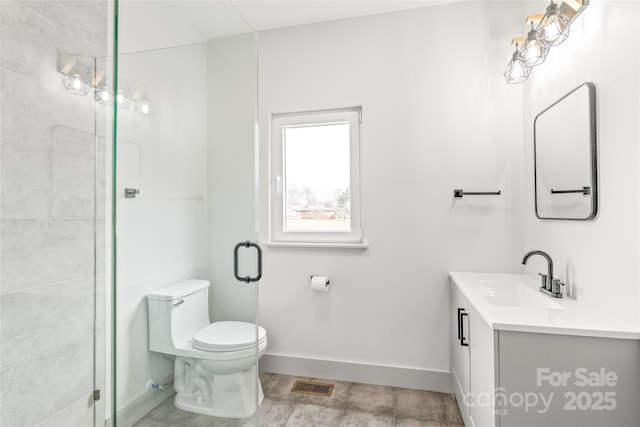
<point>139,407</point>
<point>420,379</point>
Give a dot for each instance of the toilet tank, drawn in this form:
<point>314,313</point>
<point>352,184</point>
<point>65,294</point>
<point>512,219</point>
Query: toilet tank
<point>176,313</point>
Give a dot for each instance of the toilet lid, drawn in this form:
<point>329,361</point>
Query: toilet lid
<point>228,336</point>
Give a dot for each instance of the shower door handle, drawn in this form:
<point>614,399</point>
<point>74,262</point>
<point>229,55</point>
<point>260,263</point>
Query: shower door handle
<point>247,279</point>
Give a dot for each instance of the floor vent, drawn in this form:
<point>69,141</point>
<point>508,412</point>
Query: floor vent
<point>314,388</point>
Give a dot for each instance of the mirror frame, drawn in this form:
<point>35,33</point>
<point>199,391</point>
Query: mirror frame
<point>593,149</point>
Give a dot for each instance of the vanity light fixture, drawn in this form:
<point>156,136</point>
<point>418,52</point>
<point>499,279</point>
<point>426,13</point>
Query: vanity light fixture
<point>80,75</point>
<point>517,71</point>
<point>552,29</point>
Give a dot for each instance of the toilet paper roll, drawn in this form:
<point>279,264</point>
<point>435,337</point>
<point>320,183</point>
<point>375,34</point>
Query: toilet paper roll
<point>320,283</point>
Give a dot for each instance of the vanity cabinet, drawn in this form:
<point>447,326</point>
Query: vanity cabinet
<point>460,358</point>
<point>472,362</point>
<point>507,377</point>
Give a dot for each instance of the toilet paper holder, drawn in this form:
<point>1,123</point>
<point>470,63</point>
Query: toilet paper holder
<point>319,283</point>
<point>314,275</point>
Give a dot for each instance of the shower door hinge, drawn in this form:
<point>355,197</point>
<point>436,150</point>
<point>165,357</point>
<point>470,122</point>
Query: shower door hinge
<point>96,394</point>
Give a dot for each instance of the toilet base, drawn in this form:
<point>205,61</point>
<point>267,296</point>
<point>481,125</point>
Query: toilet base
<point>232,396</point>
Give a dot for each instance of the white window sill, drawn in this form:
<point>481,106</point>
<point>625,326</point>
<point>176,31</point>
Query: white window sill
<point>316,245</point>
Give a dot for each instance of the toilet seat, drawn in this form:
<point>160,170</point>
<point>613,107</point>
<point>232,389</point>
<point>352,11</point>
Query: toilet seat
<point>229,336</point>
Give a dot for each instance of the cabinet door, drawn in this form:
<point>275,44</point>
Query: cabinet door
<point>482,371</point>
<point>459,352</point>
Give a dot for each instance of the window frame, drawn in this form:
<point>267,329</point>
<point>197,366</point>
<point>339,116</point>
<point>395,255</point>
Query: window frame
<point>277,210</point>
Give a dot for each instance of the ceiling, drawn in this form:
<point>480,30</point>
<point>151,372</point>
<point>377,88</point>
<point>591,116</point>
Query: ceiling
<point>265,14</point>
<point>155,24</point>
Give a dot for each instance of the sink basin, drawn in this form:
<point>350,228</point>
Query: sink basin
<point>513,294</point>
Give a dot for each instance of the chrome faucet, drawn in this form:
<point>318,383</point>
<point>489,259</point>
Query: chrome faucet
<point>548,285</point>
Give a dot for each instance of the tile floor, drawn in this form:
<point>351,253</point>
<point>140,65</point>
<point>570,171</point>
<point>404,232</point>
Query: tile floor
<point>351,404</point>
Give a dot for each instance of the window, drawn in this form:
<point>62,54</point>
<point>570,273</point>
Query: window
<point>315,188</point>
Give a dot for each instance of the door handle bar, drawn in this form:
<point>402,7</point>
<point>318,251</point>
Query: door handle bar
<point>247,279</point>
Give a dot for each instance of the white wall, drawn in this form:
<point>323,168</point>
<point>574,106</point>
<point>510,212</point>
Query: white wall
<point>437,115</point>
<point>162,232</point>
<point>598,259</point>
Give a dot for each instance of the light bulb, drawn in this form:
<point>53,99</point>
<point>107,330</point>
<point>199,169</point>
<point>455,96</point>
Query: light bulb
<point>551,30</point>
<point>122,100</point>
<point>517,68</point>
<point>103,96</point>
<point>144,107</point>
<point>76,85</point>
<point>535,50</point>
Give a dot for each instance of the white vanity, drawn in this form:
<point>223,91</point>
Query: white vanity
<point>521,358</point>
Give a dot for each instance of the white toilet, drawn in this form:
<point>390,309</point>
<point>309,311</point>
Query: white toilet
<point>215,363</point>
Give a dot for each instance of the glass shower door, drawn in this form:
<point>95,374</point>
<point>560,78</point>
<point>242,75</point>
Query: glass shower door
<point>185,197</point>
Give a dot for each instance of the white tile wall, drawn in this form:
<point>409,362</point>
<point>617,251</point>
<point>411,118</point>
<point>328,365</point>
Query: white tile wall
<point>31,110</point>
<point>25,184</point>
<point>39,387</point>
<point>72,186</point>
<point>41,319</point>
<point>31,40</point>
<point>49,290</point>
<point>79,413</point>
<point>36,252</point>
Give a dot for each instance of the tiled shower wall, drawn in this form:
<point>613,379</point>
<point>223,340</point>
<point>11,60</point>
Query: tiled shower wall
<point>52,257</point>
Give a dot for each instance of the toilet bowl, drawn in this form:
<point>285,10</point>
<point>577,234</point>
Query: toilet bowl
<point>215,363</point>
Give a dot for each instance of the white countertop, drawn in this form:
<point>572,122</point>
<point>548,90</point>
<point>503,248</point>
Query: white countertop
<point>563,316</point>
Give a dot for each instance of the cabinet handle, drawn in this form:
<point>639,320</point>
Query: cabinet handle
<point>459,323</point>
<point>463,339</point>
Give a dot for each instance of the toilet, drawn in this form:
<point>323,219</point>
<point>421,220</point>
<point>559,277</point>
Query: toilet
<point>215,363</point>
